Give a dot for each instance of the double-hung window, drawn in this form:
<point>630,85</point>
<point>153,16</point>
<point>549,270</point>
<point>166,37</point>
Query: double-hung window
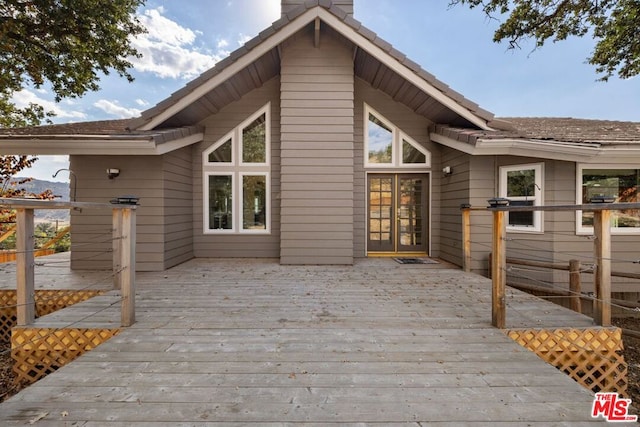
<point>617,183</point>
<point>236,184</point>
<point>522,185</point>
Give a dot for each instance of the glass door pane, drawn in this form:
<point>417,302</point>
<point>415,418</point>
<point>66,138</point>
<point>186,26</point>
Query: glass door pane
<point>380,217</point>
<point>412,223</point>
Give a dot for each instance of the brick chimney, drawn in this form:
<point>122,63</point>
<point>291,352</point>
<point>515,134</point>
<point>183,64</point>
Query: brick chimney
<point>287,5</point>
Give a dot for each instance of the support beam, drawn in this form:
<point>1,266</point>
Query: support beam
<point>498,270</point>
<point>127,275</point>
<point>316,37</point>
<point>575,285</point>
<point>25,267</point>
<point>602,276</point>
<point>117,247</point>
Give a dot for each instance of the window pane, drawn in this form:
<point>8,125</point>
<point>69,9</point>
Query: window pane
<point>380,140</point>
<point>220,202</point>
<point>222,154</point>
<point>620,184</point>
<point>521,219</point>
<point>254,202</point>
<point>411,154</point>
<point>521,183</point>
<point>254,141</point>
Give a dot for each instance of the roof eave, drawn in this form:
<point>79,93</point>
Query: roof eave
<point>94,144</point>
<point>278,35</point>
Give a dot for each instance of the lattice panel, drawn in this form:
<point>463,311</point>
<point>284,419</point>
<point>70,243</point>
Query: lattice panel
<point>592,357</point>
<point>47,302</point>
<point>38,352</point>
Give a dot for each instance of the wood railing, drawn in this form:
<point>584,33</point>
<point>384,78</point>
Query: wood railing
<point>124,238</point>
<point>498,266</point>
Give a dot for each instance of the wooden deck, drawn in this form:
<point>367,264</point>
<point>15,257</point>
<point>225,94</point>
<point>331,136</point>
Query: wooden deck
<point>251,342</point>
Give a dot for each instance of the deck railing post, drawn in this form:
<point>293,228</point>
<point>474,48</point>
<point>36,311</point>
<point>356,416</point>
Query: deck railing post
<point>25,267</point>
<point>126,232</point>
<point>466,237</point>
<point>575,286</point>
<point>602,277</point>
<point>117,248</point>
<point>498,270</point>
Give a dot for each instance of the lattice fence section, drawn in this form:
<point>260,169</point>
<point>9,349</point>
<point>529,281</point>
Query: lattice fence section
<point>592,357</point>
<point>38,352</point>
<point>47,302</point>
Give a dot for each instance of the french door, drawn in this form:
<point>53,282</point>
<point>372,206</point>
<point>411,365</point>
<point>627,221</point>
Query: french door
<point>397,213</point>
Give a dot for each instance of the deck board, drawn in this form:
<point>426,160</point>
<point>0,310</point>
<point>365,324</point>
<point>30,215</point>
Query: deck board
<point>237,342</point>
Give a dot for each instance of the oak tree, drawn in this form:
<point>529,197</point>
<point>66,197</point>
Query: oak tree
<point>614,25</point>
<point>62,44</point>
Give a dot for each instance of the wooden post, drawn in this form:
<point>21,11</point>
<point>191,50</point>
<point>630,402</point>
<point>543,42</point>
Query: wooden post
<point>602,276</point>
<point>466,238</point>
<point>25,267</point>
<point>574,285</point>
<point>117,245</point>
<point>498,271</point>
<point>127,238</point>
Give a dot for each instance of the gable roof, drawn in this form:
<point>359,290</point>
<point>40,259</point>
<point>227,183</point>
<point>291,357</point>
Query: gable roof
<point>375,61</point>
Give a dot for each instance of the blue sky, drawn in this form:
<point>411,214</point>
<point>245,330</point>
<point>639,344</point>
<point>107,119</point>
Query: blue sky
<point>455,44</point>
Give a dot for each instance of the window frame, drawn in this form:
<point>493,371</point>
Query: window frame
<point>538,199</point>
<point>237,169</point>
<point>588,230</point>
<point>397,135</point>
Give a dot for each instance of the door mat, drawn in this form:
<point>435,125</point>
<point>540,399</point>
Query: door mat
<point>416,261</point>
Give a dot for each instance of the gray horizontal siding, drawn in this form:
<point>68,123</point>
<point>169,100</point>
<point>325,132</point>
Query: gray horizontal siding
<point>218,125</point>
<point>317,152</point>
<point>91,229</point>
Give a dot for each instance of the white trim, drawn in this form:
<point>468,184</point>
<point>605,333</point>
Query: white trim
<point>214,147</point>
<point>237,170</point>
<point>538,196</point>
<point>586,230</point>
<point>397,135</point>
<point>266,110</point>
<point>427,154</point>
<point>206,204</point>
<point>267,206</point>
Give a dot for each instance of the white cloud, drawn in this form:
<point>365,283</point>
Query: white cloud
<point>222,43</point>
<point>142,102</point>
<point>114,109</point>
<point>167,49</point>
<point>25,97</point>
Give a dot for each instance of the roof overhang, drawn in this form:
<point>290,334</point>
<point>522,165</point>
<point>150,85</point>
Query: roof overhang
<point>543,149</point>
<point>153,144</point>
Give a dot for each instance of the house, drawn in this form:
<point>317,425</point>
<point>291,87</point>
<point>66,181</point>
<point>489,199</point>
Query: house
<point>317,142</point>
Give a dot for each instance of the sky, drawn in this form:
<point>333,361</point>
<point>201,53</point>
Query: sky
<point>187,37</point>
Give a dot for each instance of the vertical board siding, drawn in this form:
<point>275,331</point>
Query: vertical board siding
<point>217,126</point>
<point>91,230</point>
<point>317,82</point>
<point>178,226</point>
<point>416,127</point>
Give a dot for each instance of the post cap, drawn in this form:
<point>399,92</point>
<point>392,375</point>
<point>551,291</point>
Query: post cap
<point>498,202</point>
<point>125,200</point>
<point>602,199</point>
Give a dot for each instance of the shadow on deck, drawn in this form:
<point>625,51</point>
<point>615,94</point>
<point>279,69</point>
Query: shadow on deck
<point>254,342</point>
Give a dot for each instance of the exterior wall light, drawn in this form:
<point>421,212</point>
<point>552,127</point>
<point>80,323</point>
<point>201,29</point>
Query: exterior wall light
<point>447,171</point>
<point>113,173</point>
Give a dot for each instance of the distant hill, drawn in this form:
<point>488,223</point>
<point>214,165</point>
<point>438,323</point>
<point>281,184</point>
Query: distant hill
<point>59,189</point>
